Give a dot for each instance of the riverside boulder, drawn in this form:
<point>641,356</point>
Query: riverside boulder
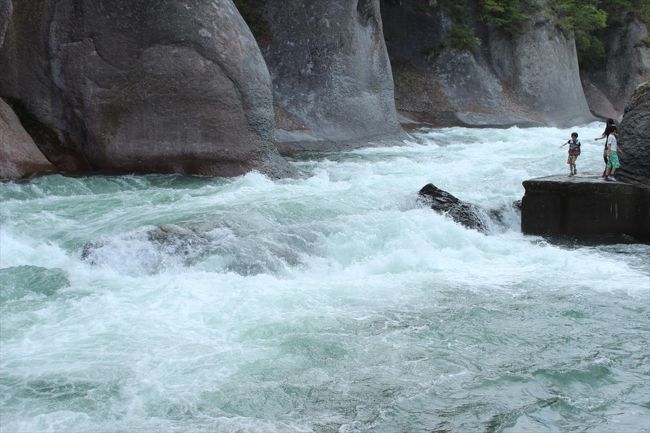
<point>19,156</point>
<point>635,136</point>
<point>467,214</point>
<point>144,86</point>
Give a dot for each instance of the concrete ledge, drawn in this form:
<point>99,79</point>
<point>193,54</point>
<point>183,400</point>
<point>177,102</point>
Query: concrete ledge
<point>585,205</point>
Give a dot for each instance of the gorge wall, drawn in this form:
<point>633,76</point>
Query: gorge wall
<point>148,86</point>
<point>216,87</point>
<point>500,79</point>
<point>332,79</point>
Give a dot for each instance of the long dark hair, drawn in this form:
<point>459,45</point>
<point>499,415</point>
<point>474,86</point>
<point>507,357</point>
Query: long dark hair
<point>611,125</point>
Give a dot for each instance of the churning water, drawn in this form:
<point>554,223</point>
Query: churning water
<point>331,303</point>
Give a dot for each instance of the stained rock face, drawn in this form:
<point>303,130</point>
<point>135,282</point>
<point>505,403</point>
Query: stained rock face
<point>332,79</point>
<point>144,86</point>
<point>19,156</point>
<point>530,79</point>
<point>635,136</point>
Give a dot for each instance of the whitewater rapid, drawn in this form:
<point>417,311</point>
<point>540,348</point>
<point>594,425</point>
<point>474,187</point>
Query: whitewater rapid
<point>333,302</point>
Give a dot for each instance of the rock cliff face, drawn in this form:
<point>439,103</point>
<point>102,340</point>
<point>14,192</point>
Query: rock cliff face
<point>19,156</point>
<point>332,79</point>
<point>146,86</point>
<point>528,79</point>
<point>635,136</point>
<point>610,86</point>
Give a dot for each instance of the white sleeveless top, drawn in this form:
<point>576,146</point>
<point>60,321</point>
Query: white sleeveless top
<point>611,140</point>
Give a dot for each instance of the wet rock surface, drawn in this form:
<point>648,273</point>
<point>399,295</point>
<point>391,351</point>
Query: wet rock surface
<point>469,215</point>
<point>332,79</point>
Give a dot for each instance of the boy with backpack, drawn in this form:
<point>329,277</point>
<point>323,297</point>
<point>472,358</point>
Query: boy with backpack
<point>574,152</point>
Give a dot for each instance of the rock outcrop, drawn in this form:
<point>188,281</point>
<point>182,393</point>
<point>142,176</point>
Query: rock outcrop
<point>585,207</point>
<point>19,156</point>
<point>467,214</point>
<point>610,86</point>
<point>635,136</point>
<point>528,79</point>
<point>332,80</point>
<point>143,86</point>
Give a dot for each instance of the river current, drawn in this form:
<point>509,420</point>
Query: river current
<point>329,303</point>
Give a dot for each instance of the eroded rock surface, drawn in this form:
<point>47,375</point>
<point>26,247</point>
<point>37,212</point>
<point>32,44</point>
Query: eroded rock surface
<point>144,86</point>
<point>529,79</point>
<point>19,156</point>
<point>332,79</point>
<point>609,86</point>
<point>635,136</point>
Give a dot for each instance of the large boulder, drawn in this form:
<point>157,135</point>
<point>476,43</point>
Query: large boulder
<point>332,80</point>
<point>635,136</point>
<point>19,156</point>
<point>610,85</point>
<point>143,86</point>
<point>528,79</point>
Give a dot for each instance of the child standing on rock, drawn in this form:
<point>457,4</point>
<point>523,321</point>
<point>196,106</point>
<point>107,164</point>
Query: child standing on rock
<point>613,150</point>
<point>574,152</point>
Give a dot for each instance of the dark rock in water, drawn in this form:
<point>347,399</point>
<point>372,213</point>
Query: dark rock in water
<point>19,156</point>
<point>143,86</point>
<point>635,136</point>
<point>585,206</point>
<point>5,13</point>
<point>467,214</point>
<point>332,80</point>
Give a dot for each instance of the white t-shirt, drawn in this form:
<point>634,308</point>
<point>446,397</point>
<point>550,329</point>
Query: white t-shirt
<point>611,141</point>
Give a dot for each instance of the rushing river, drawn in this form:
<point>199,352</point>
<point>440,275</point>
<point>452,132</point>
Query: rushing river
<point>330,303</point>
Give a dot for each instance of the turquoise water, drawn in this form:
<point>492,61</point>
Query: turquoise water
<point>329,303</point>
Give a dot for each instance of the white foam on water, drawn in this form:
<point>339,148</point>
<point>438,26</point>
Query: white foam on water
<point>330,303</point>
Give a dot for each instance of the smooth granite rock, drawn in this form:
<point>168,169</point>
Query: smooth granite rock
<point>627,65</point>
<point>19,156</point>
<point>527,80</point>
<point>635,136</point>
<point>332,80</point>
<point>144,86</point>
<point>6,8</point>
<point>585,206</point>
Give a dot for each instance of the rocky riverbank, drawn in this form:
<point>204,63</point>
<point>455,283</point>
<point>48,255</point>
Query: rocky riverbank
<point>223,87</point>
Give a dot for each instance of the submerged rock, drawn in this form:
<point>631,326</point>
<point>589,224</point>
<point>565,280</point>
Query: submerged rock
<point>19,156</point>
<point>467,214</point>
<point>143,86</point>
<point>585,206</point>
